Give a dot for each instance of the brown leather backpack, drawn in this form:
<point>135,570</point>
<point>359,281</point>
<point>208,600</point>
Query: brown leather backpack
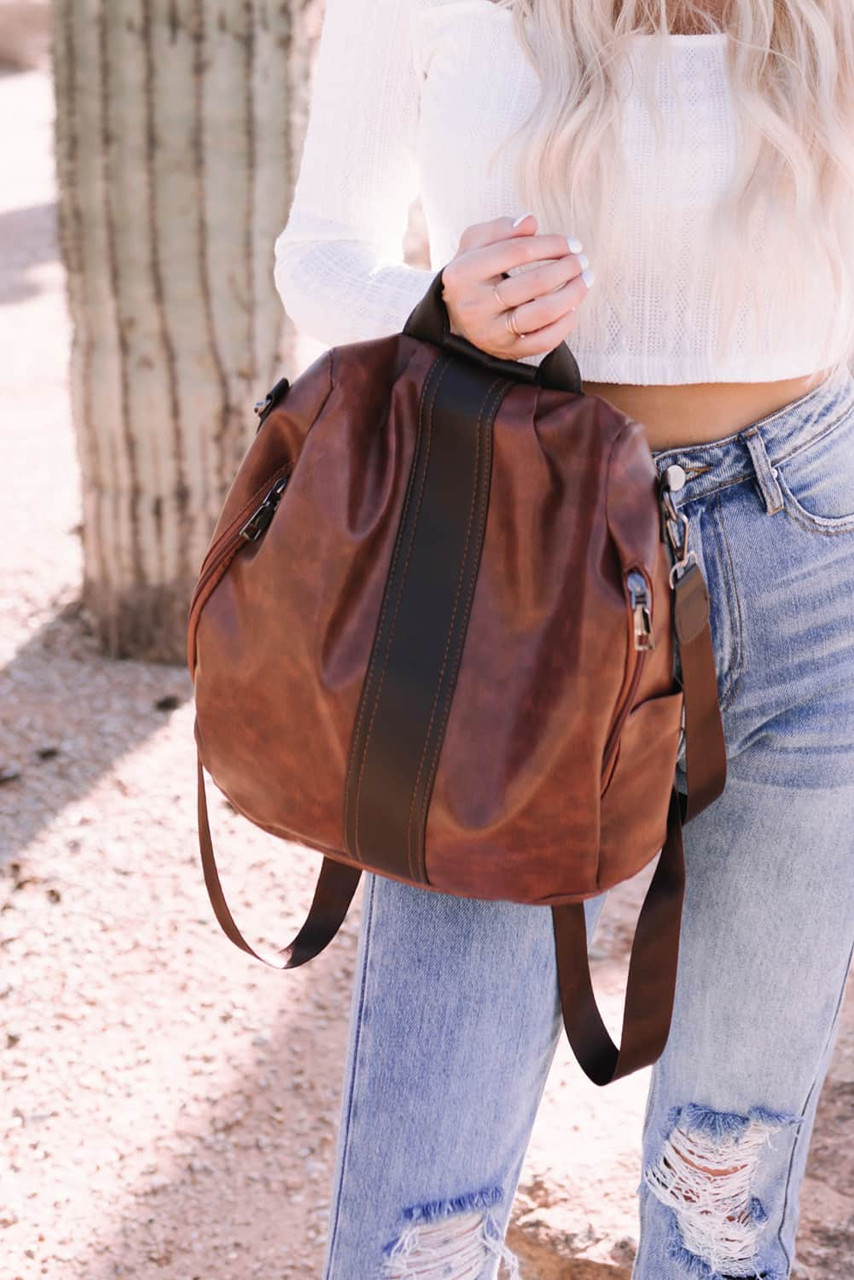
<point>433,638</point>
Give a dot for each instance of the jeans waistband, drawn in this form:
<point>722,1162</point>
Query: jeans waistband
<point>756,450</point>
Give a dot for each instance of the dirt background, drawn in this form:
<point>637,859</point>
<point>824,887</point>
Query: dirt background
<point>169,1108</point>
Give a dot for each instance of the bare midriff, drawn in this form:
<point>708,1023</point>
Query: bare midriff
<point>696,412</point>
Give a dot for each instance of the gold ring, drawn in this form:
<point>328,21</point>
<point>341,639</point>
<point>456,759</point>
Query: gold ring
<point>504,276</point>
<point>510,321</point>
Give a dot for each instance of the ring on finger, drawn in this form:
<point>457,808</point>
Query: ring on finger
<point>501,302</point>
<point>510,321</point>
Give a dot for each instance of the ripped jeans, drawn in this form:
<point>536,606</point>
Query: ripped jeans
<point>455,1015</point>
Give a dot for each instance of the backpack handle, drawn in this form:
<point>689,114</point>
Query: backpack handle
<point>429,321</point>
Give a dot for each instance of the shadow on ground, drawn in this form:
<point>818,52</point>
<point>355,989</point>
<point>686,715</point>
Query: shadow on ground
<point>27,240</point>
<point>66,716</point>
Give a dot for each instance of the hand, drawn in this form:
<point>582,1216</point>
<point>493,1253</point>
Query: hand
<point>543,297</point>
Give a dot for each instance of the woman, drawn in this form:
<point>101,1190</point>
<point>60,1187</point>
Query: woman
<point>700,159</point>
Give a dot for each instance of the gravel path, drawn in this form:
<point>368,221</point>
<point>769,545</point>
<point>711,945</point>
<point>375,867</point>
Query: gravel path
<point>169,1108</point>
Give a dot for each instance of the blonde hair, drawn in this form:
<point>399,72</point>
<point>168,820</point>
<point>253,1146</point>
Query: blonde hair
<point>791,65</point>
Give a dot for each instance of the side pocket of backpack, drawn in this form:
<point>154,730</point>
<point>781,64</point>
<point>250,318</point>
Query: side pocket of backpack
<point>636,796</point>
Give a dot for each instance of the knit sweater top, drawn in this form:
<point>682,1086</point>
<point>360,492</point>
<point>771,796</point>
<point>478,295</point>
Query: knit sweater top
<point>412,97</point>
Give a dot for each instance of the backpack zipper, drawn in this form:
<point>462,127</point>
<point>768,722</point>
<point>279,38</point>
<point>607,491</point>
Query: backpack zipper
<point>640,608</point>
<point>249,524</point>
<point>259,521</point>
<point>260,515</point>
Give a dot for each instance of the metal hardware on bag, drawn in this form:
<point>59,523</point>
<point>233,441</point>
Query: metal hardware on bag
<point>669,509</point>
<point>684,557</point>
<point>639,594</point>
<point>263,407</point>
<point>680,566</point>
<point>672,480</point>
<point>259,521</point>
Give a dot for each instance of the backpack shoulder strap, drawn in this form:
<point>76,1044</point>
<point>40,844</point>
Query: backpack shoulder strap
<point>651,984</point>
<point>336,884</point>
<point>652,972</point>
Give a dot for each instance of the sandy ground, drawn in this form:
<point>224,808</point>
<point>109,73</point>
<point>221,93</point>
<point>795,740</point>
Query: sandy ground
<point>169,1108</point>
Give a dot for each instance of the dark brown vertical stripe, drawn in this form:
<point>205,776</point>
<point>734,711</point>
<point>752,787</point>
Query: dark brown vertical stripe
<point>173,20</point>
<point>423,621</point>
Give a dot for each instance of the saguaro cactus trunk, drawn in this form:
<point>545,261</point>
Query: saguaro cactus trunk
<point>179,126</point>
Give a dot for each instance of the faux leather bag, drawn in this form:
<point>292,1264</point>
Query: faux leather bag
<point>433,638</point>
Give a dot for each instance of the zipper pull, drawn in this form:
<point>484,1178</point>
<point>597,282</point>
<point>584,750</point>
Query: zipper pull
<point>259,521</point>
<point>640,609</point>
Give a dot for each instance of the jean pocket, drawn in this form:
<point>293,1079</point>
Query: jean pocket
<point>817,481</point>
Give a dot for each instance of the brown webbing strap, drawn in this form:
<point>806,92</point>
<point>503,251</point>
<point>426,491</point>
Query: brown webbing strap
<point>651,986</point>
<point>705,749</point>
<point>652,972</point>
<point>333,894</point>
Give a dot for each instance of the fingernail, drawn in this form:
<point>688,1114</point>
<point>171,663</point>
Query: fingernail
<point>588,277</point>
<point>575,245</point>
<point>522,218</point>
<point>583,261</point>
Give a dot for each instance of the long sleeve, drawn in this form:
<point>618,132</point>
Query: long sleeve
<point>339,266</point>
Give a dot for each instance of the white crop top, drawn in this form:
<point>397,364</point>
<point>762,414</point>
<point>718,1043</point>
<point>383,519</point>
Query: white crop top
<point>413,96</point>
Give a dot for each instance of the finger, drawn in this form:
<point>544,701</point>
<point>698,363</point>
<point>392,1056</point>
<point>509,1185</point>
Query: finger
<point>480,234</point>
<point>516,251</point>
<point>540,340</point>
<point>524,286</point>
<point>531,316</point>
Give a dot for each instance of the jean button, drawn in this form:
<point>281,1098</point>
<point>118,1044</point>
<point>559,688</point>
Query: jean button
<point>675,476</point>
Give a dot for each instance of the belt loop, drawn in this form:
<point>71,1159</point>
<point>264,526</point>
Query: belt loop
<point>766,475</point>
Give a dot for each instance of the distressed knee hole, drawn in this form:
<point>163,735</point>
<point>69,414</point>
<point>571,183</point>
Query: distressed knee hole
<point>705,1174</point>
<point>450,1240</point>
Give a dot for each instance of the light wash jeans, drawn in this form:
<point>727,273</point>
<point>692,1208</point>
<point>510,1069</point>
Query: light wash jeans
<point>455,1015</point>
